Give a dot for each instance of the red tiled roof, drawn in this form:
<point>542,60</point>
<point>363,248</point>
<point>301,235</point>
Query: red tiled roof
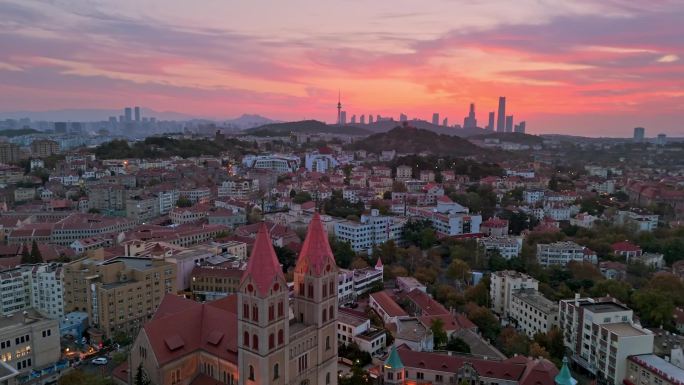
<point>263,268</point>
<point>450,322</point>
<point>316,253</point>
<point>427,305</point>
<point>181,327</point>
<point>625,246</point>
<point>387,304</point>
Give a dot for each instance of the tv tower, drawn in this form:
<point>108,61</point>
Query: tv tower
<point>339,108</point>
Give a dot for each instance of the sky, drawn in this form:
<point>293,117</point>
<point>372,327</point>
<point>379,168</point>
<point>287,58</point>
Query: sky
<point>594,68</point>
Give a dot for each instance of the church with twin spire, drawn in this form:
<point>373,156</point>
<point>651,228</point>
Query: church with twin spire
<point>263,334</point>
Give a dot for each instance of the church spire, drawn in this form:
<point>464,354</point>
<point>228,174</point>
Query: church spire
<point>263,267</point>
<point>316,252</point>
<point>564,377</point>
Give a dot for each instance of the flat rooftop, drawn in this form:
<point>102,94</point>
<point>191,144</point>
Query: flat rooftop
<point>134,263</point>
<point>410,329</point>
<point>535,299</point>
<point>18,319</point>
<point>655,363</point>
<point>624,329</point>
<point>604,307</point>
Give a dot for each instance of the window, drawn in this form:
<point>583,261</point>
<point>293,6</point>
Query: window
<point>439,378</point>
<point>330,313</point>
<point>327,343</point>
<point>310,291</point>
<point>251,373</point>
<point>281,337</point>
<point>325,291</point>
<point>271,341</point>
<point>331,290</point>
<point>390,376</point>
<point>420,375</point>
<point>255,342</point>
<point>245,311</point>
<point>255,313</point>
<point>327,379</point>
<point>324,315</point>
<point>399,376</point>
<point>176,376</point>
<point>245,339</point>
<point>271,313</point>
<point>303,362</point>
<point>301,288</point>
<point>281,310</point>
<point>276,373</point>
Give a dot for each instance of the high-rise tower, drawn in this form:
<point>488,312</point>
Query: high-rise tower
<point>490,124</point>
<point>339,108</point>
<point>501,117</point>
<point>470,121</point>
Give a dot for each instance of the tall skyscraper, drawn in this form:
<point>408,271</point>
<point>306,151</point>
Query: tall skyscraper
<point>470,121</point>
<point>520,127</point>
<point>343,118</point>
<point>370,119</point>
<point>661,140</point>
<point>403,117</point>
<point>137,114</point>
<point>363,119</point>
<point>501,117</point>
<point>435,118</point>
<point>490,124</point>
<point>353,119</point>
<point>445,122</point>
<point>509,123</point>
<point>639,133</point>
<point>128,114</point>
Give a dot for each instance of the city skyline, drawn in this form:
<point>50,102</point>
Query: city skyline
<point>583,68</point>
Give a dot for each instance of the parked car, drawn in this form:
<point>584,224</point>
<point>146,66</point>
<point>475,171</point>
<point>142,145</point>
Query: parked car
<point>99,361</point>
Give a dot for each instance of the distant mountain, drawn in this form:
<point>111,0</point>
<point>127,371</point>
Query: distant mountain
<point>386,125</point>
<point>512,137</point>
<point>304,127</point>
<point>412,140</point>
<point>249,121</point>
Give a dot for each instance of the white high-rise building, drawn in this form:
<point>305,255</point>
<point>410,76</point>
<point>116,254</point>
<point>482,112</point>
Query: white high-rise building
<point>502,286</point>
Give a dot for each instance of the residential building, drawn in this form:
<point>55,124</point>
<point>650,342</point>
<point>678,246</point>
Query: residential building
<point>583,220</point>
<point>16,291</point>
<point>651,369</point>
<point>47,289</point>
<point>448,218</point>
<point>354,283</point>
<point>414,334</point>
<point>280,164</point>
<point>404,172</point>
<point>642,221</point>
<point>370,231</point>
<point>386,307</point>
<point>613,270</point>
<point>320,161</point>
<point>43,148</point>
<point>9,152</point>
<point>29,342</point>
<point>494,227</point>
<point>212,282</point>
<point>78,226</point>
<point>250,337</point>
<point>119,294</point>
<point>533,196</point>
<point>238,188</point>
<point>355,327</point>
<point>502,286</point>
<point>601,334</point>
<point>533,313</point>
<point>561,253</point>
<point>507,247</point>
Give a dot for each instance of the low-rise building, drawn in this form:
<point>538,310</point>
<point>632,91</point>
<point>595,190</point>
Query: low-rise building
<point>502,286</point>
<point>29,341</point>
<point>370,231</point>
<point>495,227</point>
<point>448,218</point>
<point>561,253</point>
<point>651,369</point>
<point>507,247</point>
<point>532,312</point>
<point>355,327</point>
<point>386,307</point>
<point>42,148</point>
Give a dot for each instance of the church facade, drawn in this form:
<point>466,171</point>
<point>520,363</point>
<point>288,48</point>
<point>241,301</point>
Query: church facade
<point>260,335</point>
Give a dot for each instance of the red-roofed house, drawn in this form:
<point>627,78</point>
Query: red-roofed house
<point>626,249</point>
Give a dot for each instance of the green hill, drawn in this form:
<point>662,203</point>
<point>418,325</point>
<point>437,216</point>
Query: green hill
<point>304,127</point>
<point>411,140</point>
<point>19,132</point>
<point>512,137</point>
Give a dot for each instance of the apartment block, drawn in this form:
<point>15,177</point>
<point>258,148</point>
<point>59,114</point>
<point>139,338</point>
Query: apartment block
<point>532,312</point>
<point>29,341</point>
<point>600,334</point>
<point>504,284</point>
<point>561,253</point>
<point>370,231</point>
<point>119,294</point>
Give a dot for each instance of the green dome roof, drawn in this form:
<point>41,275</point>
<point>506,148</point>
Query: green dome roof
<point>393,361</point>
<point>564,377</point>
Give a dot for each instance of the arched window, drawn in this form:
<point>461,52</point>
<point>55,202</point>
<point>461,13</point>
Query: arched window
<point>271,312</point>
<point>281,309</point>
<point>332,290</point>
<point>255,342</point>
<point>245,310</point>
<point>271,341</point>
<point>255,313</point>
<point>331,313</point>
<point>310,291</point>
<point>281,337</point>
<point>276,370</point>
<point>327,379</point>
<point>251,373</point>
<point>327,343</point>
<point>245,339</point>
<point>325,291</point>
<point>324,315</point>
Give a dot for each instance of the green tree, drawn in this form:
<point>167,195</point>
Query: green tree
<point>301,197</point>
<point>458,270</point>
<point>183,202</point>
<point>614,288</point>
<point>286,257</point>
<point>485,320</point>
<point>438,333</point>
<point>141,377</point>
<point>36,257</point>
<point>419,233</point>
<point>25,254</point>
<point>342,251</point>
<point>456,344</point>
